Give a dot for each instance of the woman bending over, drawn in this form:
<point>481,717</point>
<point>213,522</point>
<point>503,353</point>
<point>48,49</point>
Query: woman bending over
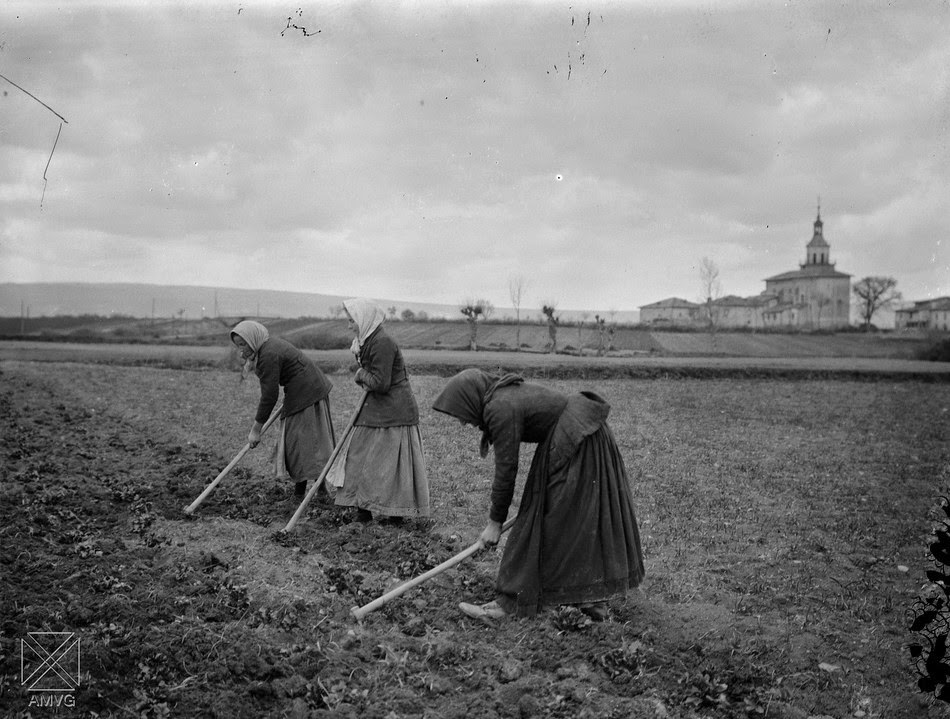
<point>575,540</point>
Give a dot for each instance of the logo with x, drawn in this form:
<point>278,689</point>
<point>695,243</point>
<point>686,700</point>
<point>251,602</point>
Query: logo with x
<point>49,662</point>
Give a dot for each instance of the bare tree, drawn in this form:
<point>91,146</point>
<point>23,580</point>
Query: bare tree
<point>392,312</point>
<point>711,288</point>
<point>548,309</point>
<point>473,310</point>
<point>516,287</point>
<point>820,302</point>
<point>873,294</point>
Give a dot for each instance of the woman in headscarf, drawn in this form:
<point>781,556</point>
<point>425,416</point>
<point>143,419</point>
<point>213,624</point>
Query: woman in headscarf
<point>381,469</point>
<point>575,540</point>
<point>306,436</point>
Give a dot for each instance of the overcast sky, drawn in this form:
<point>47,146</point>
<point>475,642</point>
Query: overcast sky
<point>429,151</point>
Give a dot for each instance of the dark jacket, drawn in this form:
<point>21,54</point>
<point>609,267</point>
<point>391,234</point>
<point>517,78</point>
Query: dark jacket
<point>382,373</point>
<point>515,414</point>
<point>532,413</point>
<point>279,363</point>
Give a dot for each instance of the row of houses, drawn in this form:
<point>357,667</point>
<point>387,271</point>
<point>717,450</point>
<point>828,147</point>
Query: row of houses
<point>815,296</point>
<point>924,314</point>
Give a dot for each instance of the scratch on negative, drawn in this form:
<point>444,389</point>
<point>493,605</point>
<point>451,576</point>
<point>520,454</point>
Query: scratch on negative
<point>62,121</point>
<point>49,160</point>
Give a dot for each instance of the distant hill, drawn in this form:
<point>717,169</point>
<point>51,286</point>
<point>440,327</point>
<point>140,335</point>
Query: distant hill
<point>188,302</point>
<point>158,301</point>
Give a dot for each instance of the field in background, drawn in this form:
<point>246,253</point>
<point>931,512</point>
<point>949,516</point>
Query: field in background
<point>785,526</point>
<point>444,362</point>
<point>631,341</point>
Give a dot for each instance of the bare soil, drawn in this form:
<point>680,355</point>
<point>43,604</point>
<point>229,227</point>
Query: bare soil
<point>785,525</point>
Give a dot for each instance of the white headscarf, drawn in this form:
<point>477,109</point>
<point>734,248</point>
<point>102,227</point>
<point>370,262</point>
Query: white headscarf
<point>255,334</point>
<point>367,316</point>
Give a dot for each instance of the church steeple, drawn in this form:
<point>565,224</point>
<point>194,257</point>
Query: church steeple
<point>818,251</point>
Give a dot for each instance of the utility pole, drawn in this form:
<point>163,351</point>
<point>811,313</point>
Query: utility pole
<point>22,319</point>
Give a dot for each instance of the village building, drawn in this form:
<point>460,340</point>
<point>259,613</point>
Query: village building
<point>924,314</point>
<point>672,311</point>
<point>815,296</point>
<point>734,311</point>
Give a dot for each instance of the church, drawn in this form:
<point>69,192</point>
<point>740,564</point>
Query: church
<point>815,296</point>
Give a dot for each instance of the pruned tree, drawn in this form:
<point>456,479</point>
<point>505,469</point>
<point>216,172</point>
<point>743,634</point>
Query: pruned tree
<point>473,311</point>
<point>392,312</point>
<point>601,324</point>
<point>516,287</point>
<point>874,294</point>
<point>547,308</point>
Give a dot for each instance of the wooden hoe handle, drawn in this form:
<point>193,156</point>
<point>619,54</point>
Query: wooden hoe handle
<point>360,612</point>
<point>326,468</point>
<point>237,458</point>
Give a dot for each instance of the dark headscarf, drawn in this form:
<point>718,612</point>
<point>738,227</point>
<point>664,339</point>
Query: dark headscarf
<point>466,394</point>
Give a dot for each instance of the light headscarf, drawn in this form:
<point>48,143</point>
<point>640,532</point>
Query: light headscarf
<point>368,317</point>
<point>466,394</point>
<point>255,334</point>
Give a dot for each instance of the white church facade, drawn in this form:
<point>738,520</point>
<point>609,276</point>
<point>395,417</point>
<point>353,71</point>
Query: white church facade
<point>815,296</point>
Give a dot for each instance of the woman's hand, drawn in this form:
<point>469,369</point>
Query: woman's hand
<point>254,436</point>
<point>491,534</point>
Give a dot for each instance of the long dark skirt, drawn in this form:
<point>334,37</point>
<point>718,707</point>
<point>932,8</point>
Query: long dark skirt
<point>576,538</point>
<point>305,444</point>
<point>382,469</point>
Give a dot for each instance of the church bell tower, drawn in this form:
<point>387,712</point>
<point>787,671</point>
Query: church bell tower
<point>818,251</point>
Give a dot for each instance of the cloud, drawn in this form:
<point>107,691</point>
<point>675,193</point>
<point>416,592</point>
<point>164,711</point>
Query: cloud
<point>414,150</point>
